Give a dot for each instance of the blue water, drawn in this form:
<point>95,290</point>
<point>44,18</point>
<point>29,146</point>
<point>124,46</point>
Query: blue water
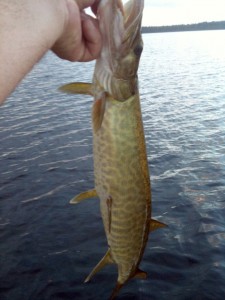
<point>48,246</point>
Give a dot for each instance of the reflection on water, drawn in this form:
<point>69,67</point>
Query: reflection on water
<point>48,247</point>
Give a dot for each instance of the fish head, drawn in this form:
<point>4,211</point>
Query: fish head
<point>120,26</point>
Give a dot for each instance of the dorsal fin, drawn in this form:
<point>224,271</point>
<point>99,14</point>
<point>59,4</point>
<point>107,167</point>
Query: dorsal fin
<point>107,259</point>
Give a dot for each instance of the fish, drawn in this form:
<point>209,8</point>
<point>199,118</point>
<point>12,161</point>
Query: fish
<point>122,181</point>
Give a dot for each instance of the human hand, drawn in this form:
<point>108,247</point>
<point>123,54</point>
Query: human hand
<point>29,28</point>
<point>81,38</point>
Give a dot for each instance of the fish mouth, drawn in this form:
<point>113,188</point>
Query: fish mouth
<point>120,23</point>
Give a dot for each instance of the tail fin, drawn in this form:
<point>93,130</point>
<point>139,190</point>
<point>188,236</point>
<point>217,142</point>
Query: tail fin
<point>116,290</point>
<point>138,274</point>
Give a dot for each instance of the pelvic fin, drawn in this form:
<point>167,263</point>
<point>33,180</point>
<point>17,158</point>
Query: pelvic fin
<point>83,196</point>
<point>154,224</point>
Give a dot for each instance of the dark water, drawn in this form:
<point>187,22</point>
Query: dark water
<point>48,246</point>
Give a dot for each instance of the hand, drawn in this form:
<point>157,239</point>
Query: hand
<point>29,28</point>
<point>81,38</point>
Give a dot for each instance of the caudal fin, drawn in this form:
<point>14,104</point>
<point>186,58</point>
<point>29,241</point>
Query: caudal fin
<point>138,274</point>
<point>116,290</point>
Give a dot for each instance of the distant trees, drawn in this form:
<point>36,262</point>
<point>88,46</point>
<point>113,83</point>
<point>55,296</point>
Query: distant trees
<point>186,27</point>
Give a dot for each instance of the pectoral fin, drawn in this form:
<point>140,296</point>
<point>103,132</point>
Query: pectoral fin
<point>107,259</point>
<point>77,88</point>
<point>154,224</point>
<point>98,112</point>
<point>83,196</point>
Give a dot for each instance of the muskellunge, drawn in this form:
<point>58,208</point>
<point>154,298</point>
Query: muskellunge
<point>120,162</point>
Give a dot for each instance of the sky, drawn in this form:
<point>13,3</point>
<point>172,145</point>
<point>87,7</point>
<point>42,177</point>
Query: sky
<point>173,12</point>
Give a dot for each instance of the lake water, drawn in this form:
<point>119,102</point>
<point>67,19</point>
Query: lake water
<point>48,246</point>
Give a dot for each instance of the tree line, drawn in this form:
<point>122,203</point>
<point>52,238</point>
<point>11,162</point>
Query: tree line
<point>217,25</point>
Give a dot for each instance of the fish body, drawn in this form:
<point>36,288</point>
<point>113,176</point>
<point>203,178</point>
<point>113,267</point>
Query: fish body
<point>120,161</point>
<point>122,183</point>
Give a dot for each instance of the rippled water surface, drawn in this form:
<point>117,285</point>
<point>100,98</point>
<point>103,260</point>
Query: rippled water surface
<point>48,247</point>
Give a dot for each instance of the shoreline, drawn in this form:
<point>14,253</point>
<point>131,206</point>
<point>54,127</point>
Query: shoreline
<point>217,25</point>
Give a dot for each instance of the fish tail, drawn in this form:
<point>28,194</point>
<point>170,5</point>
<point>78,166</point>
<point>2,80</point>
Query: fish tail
<point>116,290</point>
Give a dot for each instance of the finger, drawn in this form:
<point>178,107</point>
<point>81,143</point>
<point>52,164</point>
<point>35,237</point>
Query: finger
<point>91,38</point>
<point>66,46</point>
<point>84,3</point>
<point>94,7</point>
<point>88,3</point>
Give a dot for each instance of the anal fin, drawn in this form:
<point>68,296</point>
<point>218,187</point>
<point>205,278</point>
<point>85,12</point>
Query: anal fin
<point>154,224</point>
<point>140,274</point>
<point>83,196</point>
<point>107,259</point>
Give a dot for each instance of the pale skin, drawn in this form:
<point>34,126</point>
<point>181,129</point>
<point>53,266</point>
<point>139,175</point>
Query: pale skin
<point>29,28</point>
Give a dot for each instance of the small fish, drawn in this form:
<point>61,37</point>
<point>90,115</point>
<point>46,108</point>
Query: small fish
<point>120,162</point>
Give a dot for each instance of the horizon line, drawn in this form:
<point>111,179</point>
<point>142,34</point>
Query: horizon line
<point>184,24</point>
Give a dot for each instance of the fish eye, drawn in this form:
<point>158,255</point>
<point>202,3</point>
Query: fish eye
<point>137,50</point>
